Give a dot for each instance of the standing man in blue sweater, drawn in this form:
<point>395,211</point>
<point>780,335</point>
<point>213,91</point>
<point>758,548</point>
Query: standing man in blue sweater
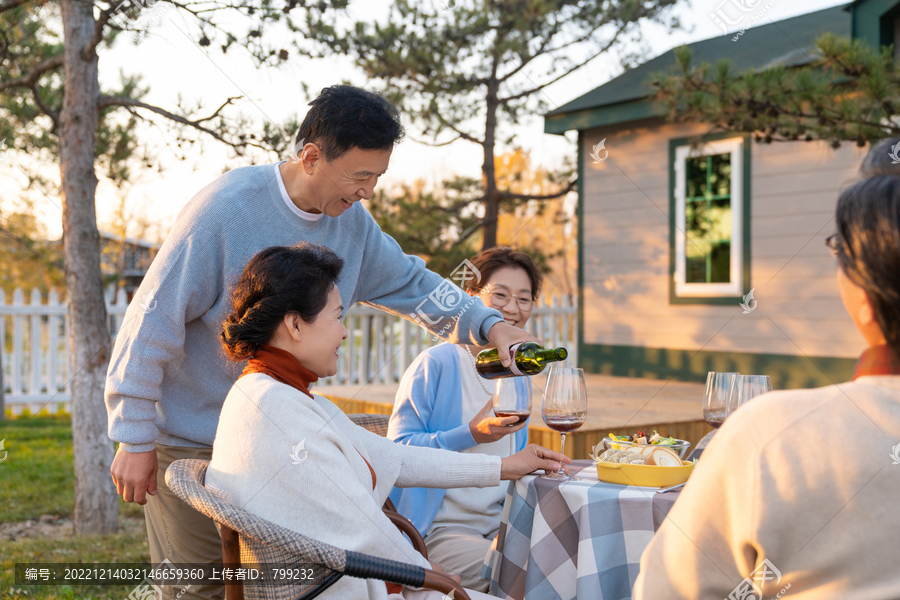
<point>167,375</point>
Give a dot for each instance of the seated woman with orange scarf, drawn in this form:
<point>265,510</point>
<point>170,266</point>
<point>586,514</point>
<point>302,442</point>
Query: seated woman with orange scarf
<point>293,457</point>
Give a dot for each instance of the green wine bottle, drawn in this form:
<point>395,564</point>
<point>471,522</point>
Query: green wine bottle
<point>530,358</point>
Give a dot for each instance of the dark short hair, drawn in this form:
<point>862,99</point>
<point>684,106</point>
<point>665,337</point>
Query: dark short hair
<point>879,161</point>
<point>343,116</point>
<point>277,281</point>
<point>868,229</point>
<point>490,260</point>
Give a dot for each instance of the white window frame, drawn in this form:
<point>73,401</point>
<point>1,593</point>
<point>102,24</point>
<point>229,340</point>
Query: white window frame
<point>735,147</point>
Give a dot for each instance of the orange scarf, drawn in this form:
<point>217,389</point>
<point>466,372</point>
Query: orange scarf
<point>877,360</point>
<point>281,366</point>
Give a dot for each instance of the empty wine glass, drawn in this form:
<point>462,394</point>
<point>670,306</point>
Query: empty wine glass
<point>745,388</point>
<point>715,397</point>
<point>512,398</point>
<point>564,408</point>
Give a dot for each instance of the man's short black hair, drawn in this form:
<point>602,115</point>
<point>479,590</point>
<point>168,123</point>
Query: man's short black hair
<point>344,116</point>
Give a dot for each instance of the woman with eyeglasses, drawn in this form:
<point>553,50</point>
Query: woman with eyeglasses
<point>443,403</point>
<point>795,496</point>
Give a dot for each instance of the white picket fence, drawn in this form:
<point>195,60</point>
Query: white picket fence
<point>379,349</point>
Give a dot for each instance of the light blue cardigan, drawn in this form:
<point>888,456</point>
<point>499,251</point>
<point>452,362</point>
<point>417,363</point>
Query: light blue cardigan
<point>428,412</point>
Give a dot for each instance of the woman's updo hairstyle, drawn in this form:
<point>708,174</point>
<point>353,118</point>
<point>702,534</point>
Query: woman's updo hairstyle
<point>868,249</point>
<point>277,281</point>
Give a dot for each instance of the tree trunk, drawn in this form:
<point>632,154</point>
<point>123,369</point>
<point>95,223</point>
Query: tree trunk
<point>2,383</point>
<point>96,505</point>
<point>491,197</point>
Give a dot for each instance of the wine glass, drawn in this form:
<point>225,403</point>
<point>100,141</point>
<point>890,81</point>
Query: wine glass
<point>512,398</point>
<point>745,388</point>
<point>564,408</point>
<point>715,397</point>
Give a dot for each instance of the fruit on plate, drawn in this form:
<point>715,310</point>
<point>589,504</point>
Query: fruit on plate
<point>662,457</point>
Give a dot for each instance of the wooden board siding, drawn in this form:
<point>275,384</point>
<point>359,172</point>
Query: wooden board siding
<point>794,189</point>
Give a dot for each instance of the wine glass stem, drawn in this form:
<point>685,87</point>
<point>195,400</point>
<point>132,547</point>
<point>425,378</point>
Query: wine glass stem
<point>562,450</point>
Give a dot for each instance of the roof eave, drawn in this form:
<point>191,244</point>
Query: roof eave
<point>600,116</point>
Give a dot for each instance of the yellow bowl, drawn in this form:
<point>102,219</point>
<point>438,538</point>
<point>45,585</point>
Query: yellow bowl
<point>644,475</point>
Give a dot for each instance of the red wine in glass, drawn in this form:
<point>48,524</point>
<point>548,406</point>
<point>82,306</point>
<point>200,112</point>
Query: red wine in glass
<point>564,408</point>
<point>521,414</point>
<point>565,423</point>
<point>715,421</point>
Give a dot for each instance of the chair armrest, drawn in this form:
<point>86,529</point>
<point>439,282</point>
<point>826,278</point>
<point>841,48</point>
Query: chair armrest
<point>372,567</point>
<point>406,526</point>
<point>443,583</point>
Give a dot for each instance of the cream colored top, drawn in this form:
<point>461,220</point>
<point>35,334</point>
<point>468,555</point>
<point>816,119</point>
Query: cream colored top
<point>806,479</point>
<point>301,463</point>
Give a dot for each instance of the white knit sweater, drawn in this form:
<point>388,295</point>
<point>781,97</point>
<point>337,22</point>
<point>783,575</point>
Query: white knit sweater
<point>324,490</point>
<point>805,479</point>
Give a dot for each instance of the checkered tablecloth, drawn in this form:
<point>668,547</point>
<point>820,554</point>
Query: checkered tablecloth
<point>579,539</point>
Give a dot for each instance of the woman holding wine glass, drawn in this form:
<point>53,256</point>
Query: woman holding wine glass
<point>442,402</point>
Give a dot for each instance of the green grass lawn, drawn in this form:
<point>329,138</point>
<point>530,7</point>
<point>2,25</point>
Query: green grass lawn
<point>127,546</point>
<point>37,475</point>
<point>37,478</point>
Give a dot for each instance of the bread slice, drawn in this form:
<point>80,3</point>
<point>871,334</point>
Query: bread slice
<point>663,457</point>
<point>646,450</point>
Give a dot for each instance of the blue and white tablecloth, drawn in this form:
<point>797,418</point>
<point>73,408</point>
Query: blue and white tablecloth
<point>579,539</point>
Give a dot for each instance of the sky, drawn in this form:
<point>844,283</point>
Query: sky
<point>172,65</point>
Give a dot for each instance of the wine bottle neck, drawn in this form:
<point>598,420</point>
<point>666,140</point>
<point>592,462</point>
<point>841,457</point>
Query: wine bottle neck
<point>551,354</point>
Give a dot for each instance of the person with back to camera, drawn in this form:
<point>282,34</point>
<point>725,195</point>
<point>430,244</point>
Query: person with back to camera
<point>883,158</point>
<point>794,496</point>
<point>167,374</point>
<point>287,318</point>
<point>442,402</point>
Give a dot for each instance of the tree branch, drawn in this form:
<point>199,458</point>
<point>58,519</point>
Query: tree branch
<point>105,101</point>
<point>30,79</point>
<point>566,72</point>
<point>458,131</point>
<point>433,145</point>
<point>99,25</point>
<point>44,107</point>
<point>562,192</point>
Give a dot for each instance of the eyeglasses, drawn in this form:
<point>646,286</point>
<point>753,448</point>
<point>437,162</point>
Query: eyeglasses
<point>833,242</point>
<point>500,298</point>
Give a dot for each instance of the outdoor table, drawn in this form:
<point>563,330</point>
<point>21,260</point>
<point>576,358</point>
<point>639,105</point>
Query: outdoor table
<point>575,539</point>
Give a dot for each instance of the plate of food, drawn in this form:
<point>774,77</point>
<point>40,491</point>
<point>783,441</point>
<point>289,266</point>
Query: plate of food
<point>645,465</point>
<point>644,438</point>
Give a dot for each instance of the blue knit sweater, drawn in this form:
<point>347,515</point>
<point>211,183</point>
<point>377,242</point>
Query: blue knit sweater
<point>168,375</point>
<point>428,412</point>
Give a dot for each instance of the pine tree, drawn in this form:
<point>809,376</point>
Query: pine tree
<point>465,69</point>
<point>850,93</point>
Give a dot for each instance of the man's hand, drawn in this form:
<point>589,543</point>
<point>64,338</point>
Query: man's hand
<point>486,427</point>
<point>502,335</point>
<point>529,460</point>
<point>134,474</point>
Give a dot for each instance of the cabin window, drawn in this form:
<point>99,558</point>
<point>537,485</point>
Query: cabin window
<point>708,225</point>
